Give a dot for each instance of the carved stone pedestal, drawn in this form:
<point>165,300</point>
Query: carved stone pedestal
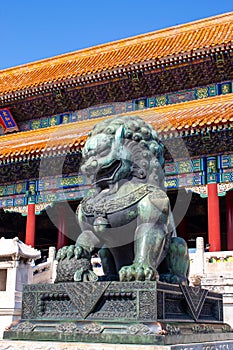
<point>120,313</point>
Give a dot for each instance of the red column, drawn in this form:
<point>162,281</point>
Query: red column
<point>213,218</point>
<point>31,225</point>
<point>62,239</point>
<point>229,219</point>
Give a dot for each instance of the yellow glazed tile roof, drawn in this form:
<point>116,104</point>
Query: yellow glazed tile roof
<point>192,115</point>
<point>198,35</point>
<point>183,116</point>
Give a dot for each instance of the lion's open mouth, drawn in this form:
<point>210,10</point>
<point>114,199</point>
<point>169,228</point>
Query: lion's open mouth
<point>106,174</point>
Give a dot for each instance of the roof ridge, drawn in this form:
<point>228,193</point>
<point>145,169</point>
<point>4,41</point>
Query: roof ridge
<point>117,44</point>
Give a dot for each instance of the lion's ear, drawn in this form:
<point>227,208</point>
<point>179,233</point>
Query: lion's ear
<point>119,135</point>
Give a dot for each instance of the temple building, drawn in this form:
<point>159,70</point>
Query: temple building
<point>179,79</point>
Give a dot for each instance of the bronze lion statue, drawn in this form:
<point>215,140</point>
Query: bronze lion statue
<point>126,216</point>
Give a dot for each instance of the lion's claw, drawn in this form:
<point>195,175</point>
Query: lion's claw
<point>137,272</point>
<point>70,252</point>
<point>140,276</point>
<point>80,252</point>
<point>61,254</point>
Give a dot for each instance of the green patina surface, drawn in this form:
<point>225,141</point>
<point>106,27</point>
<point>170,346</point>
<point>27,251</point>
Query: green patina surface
<point>127,216</point>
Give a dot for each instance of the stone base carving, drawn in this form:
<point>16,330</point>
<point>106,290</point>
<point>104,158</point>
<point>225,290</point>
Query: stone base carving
<point>120,312</point>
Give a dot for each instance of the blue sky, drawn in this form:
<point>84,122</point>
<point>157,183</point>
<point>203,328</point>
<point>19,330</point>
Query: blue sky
<point>35,29</point>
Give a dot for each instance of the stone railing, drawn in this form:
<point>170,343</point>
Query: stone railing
<point>214,271</point>
<point>211,263</point>
<point>219,263</point>
<point>45,272</point>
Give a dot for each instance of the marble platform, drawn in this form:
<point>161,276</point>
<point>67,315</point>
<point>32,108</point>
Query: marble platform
<point>32,345</point>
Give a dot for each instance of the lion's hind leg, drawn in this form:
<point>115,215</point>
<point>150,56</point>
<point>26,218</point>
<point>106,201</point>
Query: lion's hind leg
<point>177,262</point>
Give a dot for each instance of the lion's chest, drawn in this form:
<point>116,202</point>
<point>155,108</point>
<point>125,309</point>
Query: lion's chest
<point>117,208</point>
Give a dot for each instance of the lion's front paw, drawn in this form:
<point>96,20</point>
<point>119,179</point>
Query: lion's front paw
<point>137,272</point>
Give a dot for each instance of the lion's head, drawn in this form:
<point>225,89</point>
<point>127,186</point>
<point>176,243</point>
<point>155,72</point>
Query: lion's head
<point>123,148</point>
